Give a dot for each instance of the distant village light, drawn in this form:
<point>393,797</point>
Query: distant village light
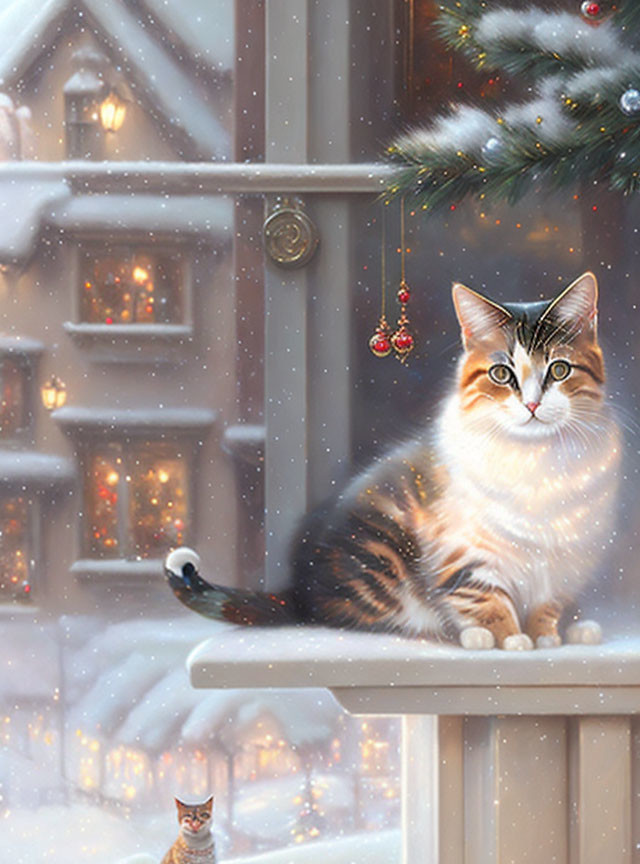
<point>54,393</point>
<point>113,110</point>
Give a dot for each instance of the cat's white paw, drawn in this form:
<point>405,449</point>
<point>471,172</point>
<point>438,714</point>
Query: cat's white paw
<point>548,641</point>
<point>477,639</point>
<point>584,633</point>
<point>518,642</point>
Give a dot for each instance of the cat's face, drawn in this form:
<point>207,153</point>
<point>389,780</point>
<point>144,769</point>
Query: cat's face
<point>194,818</point>
<point>531,370</point>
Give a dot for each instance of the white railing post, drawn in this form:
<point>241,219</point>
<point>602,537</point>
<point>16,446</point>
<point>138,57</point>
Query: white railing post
<point>600,788</point>
<point>528,759</point>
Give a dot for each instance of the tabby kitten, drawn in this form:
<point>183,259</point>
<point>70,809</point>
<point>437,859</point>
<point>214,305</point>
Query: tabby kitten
<point>485,527</point>
<point>194,844</point>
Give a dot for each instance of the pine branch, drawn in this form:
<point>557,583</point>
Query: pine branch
<point>628,17</point>
<point>455,27</point>
<point>459,28</point>
<point>583,136</point>
<point>518,58</point>
<point>439,178</point>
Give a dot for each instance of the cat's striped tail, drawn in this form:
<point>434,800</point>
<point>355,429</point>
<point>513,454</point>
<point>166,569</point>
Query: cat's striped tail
<point>237,605</point>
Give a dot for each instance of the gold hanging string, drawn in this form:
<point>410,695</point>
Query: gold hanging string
<point>402,242</point>
<point>380,342</point>
<point>383,265</point>
<point>402,340</point>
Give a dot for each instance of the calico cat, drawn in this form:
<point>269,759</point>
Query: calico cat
<point>194,844</point>
<point>485,527</point>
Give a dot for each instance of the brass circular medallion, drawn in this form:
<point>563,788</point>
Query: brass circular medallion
<point>290,238</point>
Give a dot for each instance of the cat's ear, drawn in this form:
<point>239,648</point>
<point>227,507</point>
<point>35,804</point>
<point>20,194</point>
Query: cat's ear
<point>209,803</point>
<point>480,319</point>
<point>575,310</point>
<point>181,806</point>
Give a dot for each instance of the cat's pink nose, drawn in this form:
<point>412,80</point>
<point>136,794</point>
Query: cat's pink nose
<point>532,406</point>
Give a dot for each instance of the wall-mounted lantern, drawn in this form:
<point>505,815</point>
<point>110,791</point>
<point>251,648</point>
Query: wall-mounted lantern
<point>54,393</point>
<point>113,110</point>
<point>83,95</point>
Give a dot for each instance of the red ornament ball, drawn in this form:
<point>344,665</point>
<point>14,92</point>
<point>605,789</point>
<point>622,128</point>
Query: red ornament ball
<point>402,341</point>
<point>591,10</point>
<point>404,295</point>
<point>380,344</point>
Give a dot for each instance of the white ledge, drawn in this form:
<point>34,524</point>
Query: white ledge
<point>20,345</point>
<point>30,469</point>
<point>118,335</point>
<point>180,217</point>
<point>109,332</point>
<point>119,570</point>
<point>130,343</point>
<point>76,418</point>
<point>372,673</point>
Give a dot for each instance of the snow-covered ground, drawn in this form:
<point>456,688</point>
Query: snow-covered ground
<point>83,834</point>
<point>126,684</point>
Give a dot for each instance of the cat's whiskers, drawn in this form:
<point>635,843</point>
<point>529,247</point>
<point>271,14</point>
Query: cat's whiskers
<point>618,411</point>
<point>580,430</point>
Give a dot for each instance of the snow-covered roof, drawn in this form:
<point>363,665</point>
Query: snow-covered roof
<point>30,662</point>
<point>115,692</point>
<point>205,28</point>
<point>35,471</point>
<point>172,711</point>
<point>23,202</point>
<point>26,203</point>
<point>155,722</point>
<point>185,215</point>
<point>28,28</point>
<point>141,696</point>
<point>305,716</point>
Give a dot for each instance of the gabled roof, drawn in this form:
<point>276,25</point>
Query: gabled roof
<point>143,47</point>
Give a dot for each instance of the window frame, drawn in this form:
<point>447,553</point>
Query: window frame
<point>96,251</point>
<point>129,451</point>
<point>33,546</point>
<point>26,356</point>
<point>135,342</point>
<point>90,429</point>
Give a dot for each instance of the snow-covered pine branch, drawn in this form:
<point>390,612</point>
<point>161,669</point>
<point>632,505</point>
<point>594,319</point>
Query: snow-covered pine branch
<point>580,123</point>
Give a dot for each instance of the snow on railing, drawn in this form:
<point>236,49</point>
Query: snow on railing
<point>507,756</point>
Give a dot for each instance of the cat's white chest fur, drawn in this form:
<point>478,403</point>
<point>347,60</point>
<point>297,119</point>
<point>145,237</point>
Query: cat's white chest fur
<point>536,512</point>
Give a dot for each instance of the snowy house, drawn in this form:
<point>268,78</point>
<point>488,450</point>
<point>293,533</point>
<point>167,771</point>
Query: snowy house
<point>115,382</point>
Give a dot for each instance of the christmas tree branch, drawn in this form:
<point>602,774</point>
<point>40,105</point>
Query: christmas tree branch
<point>628,17</point>
<point>583,123</point>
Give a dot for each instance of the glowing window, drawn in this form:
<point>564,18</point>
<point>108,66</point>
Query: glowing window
<point>137,501</point>
<point>14,412</point>
<point>14,550</point>
<point>125,286</point>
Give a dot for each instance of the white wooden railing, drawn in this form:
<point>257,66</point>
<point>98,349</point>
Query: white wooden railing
<point>508,758</point>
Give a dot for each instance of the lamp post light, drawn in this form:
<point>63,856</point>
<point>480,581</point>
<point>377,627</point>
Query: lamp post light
<point>54,393</point>
<point>83,94</point>
<point>113,110</point>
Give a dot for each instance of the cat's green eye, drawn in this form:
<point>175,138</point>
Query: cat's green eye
<point>559,370</point>
<point>500,374</point>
